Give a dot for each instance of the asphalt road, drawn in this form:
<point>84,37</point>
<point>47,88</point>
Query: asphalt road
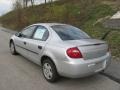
<point>17,73</point>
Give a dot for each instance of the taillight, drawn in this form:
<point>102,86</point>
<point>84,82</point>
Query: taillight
<point>74,53</point>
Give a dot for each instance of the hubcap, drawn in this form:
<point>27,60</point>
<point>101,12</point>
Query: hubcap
<point>47,70</point>
<point>12,47</point>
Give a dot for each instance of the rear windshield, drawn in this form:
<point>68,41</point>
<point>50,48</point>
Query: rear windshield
<point>67,32</point>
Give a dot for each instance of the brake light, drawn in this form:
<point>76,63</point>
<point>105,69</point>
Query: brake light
<point>74,53</point>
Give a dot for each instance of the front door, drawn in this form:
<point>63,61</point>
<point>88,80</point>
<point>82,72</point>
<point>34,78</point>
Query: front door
<point>21,41</point>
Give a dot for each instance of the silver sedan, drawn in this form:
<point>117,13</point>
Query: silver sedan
<point>61,50</point>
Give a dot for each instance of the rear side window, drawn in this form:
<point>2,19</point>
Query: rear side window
<point>67,32</point>
<point>41,33</point>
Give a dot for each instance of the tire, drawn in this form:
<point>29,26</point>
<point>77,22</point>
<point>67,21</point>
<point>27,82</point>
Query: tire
<point>102,71</point>
<point>49,71</point>
<point>12,48</point>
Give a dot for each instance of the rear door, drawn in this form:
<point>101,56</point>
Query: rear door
<point>37,44</point>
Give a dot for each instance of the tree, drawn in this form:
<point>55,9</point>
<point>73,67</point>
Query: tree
<point>17,7</point>
<point>50,1</point>
<point>45,1</point>
<point>32,2</point>
<point>25,2</point>
<point>21,19</point>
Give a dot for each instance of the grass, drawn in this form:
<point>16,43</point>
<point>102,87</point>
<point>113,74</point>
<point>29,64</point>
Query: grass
<point>81,13</point>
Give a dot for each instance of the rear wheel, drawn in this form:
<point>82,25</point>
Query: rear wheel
<point>49,71</point>
<point>12,48</point>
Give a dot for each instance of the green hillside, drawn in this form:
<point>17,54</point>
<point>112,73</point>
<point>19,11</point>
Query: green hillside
<point>85,14</point>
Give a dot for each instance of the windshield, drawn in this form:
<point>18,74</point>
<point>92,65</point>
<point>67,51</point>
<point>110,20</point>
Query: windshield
<point>67,32</point>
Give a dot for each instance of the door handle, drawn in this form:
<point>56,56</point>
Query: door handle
<point>24,43</point>
<point>39,47</point>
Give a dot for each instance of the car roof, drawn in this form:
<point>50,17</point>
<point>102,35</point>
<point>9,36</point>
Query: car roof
<point>48,24</point>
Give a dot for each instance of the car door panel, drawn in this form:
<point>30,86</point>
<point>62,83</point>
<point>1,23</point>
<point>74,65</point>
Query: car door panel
<point>21,41</point>
<point>33,51</point>
<point>20,46</point>
<point>32,43</point>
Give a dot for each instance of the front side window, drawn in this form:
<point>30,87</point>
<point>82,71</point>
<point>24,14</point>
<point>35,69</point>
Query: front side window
<point>28,32</point>
<point>67,32</point>
<point>41,33</point>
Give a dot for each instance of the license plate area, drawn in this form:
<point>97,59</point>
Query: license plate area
<point>99,66</point>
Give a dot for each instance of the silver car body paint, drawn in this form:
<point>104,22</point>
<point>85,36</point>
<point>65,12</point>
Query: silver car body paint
<point>96,56</point>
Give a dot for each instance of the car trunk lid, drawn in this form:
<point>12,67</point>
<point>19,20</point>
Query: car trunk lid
<point>90,48</point>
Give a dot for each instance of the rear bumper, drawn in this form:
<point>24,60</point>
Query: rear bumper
<point>81,68</point>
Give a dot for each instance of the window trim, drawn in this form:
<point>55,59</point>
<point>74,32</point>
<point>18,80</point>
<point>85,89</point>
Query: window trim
<point>36,30</point>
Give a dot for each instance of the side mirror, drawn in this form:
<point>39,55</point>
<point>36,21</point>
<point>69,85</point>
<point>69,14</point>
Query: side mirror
<point>19,34</point>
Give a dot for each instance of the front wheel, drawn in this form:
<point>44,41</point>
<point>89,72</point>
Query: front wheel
<point>12,48</point>
<point>49,71</point>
